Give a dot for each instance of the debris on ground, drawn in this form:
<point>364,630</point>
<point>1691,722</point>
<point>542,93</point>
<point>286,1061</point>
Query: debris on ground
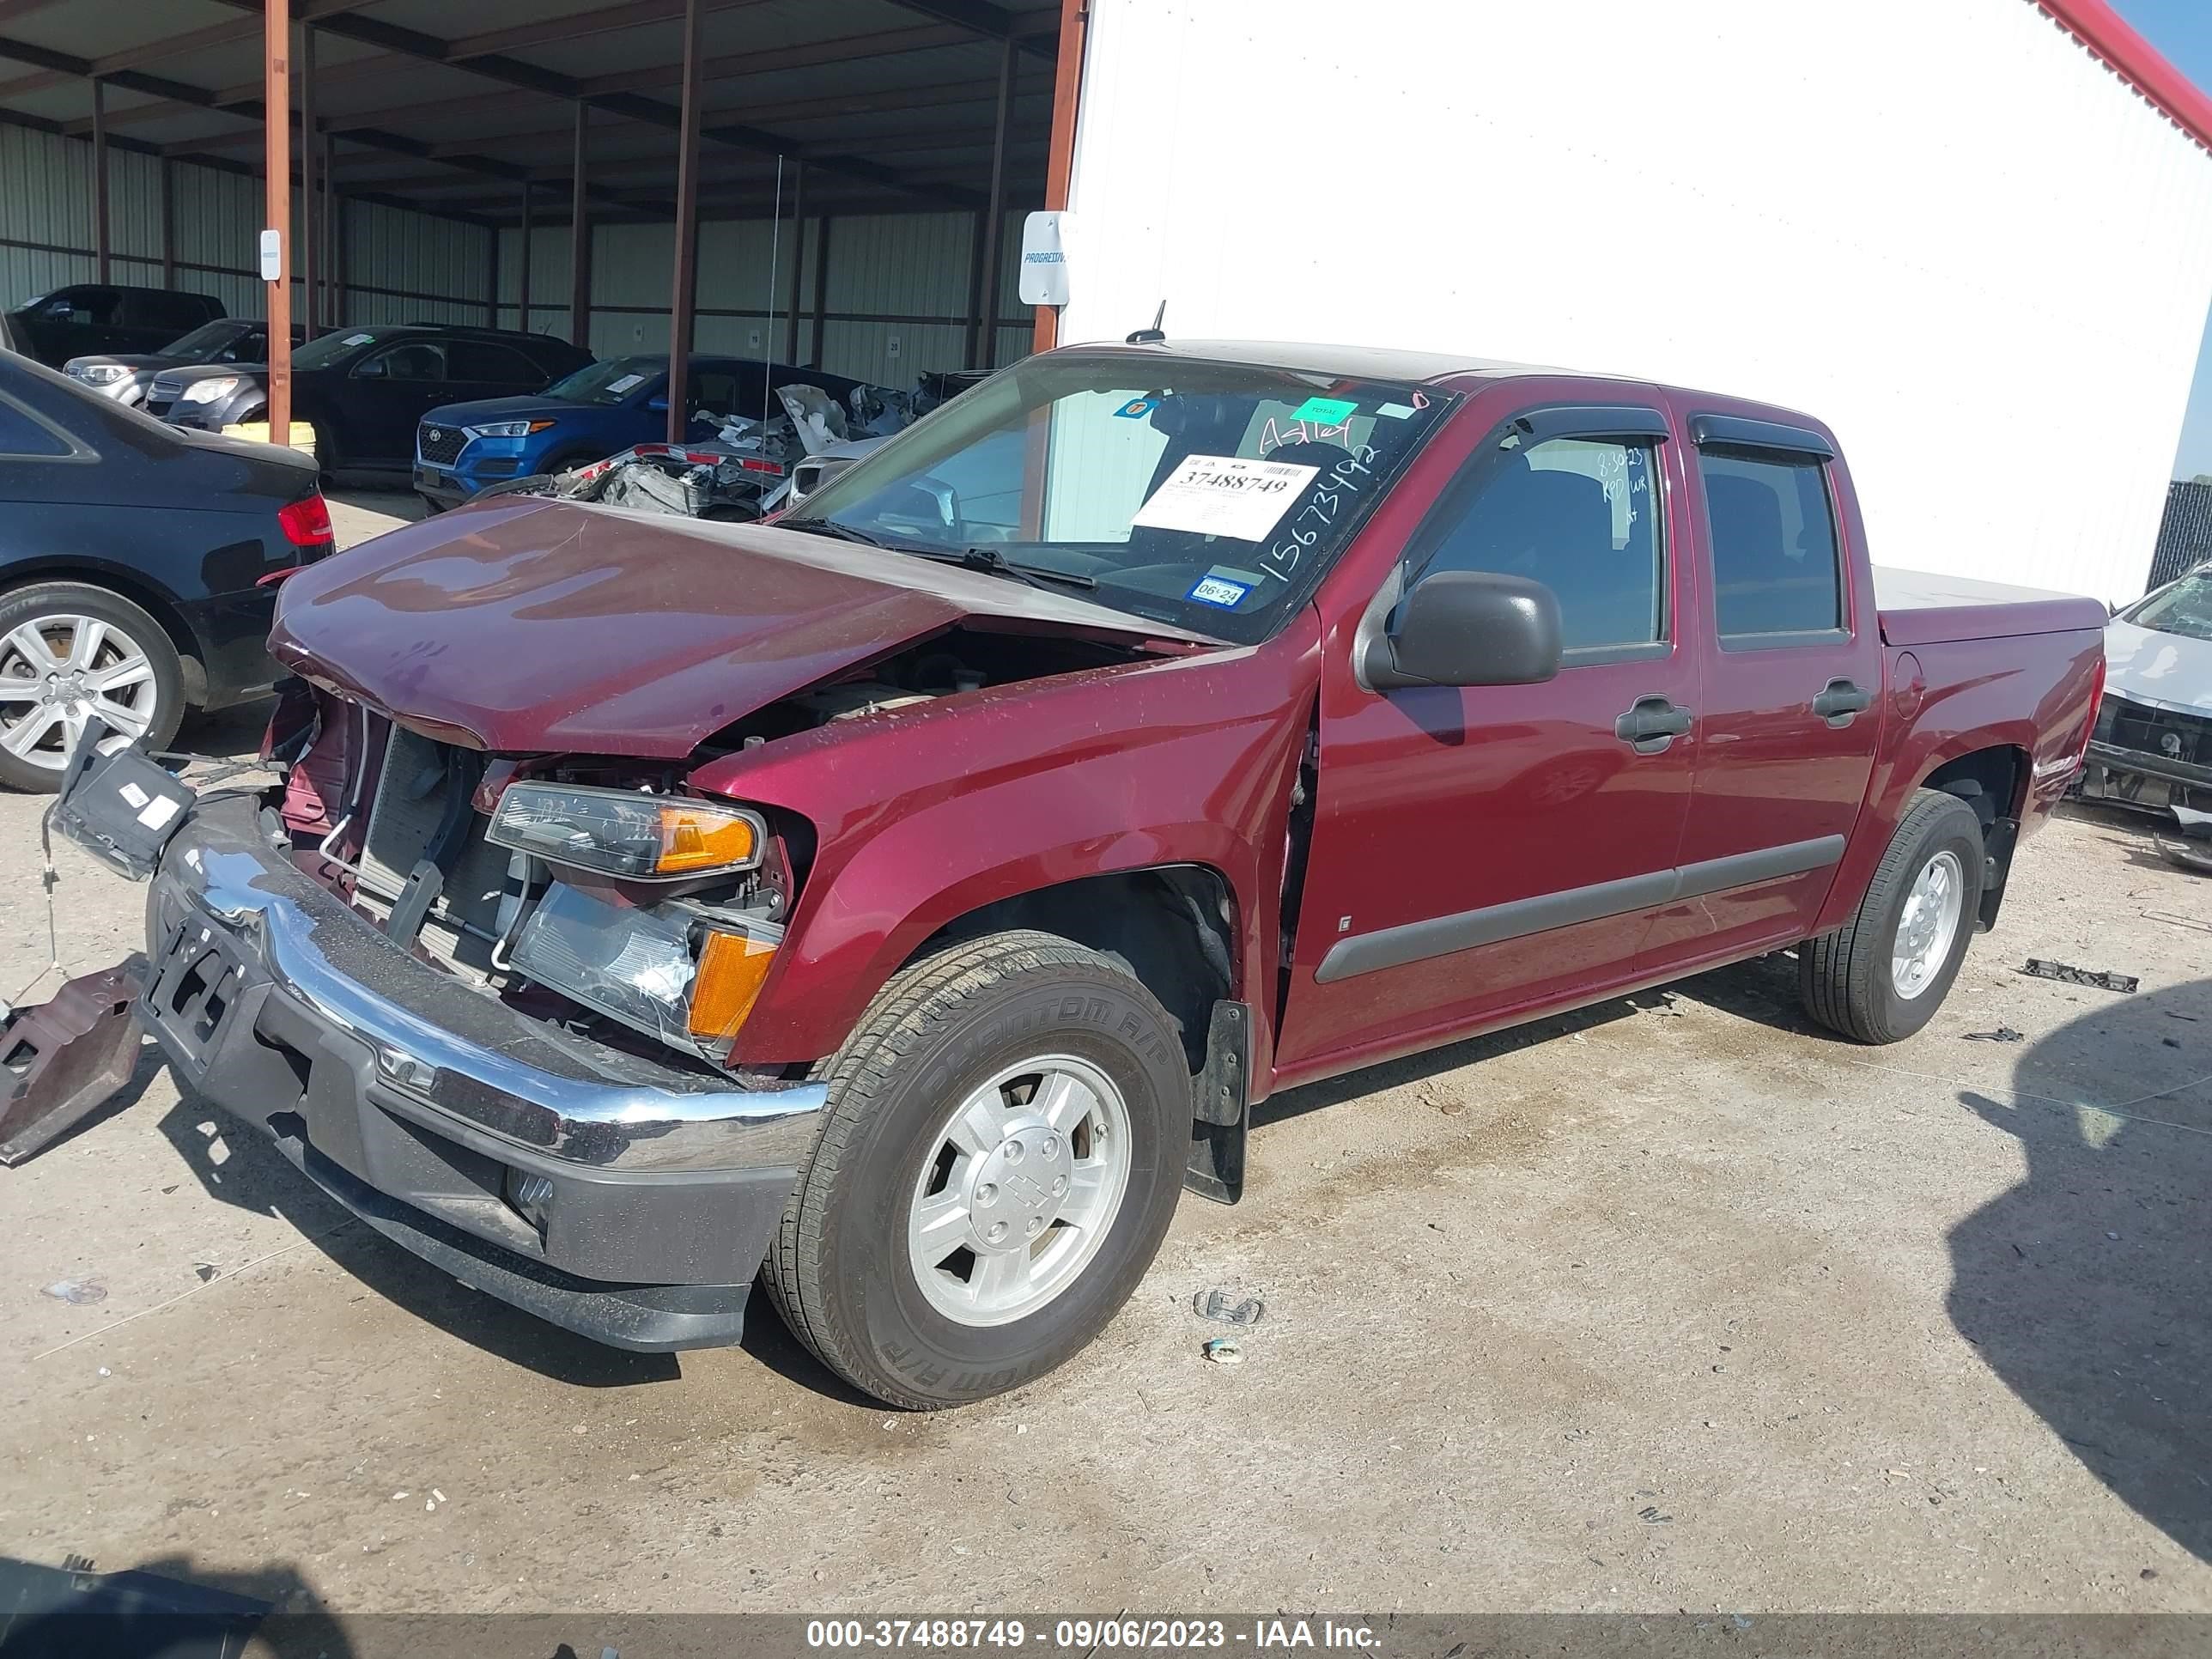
<point>2003,1033</point>
<point>2172,921</point>
<point>77,1292</point>
<point>1216,1304</point>
<point>1223,1351</point>
<point>2067,974</point>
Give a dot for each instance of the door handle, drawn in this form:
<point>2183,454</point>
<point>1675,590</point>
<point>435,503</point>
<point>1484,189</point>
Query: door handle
<point>1839,701</point>
<point>1651,724</point>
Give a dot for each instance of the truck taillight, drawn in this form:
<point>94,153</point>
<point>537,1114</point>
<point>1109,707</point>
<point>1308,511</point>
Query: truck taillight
<point>307,522</point>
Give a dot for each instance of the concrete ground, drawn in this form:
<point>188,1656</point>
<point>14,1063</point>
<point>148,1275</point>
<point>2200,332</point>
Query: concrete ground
<point>1673,1303</point>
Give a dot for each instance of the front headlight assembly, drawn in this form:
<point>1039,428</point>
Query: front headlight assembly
<point>669,971</point>
<point>208,392</point>
<point>626,833</point>
<point>507,429</point>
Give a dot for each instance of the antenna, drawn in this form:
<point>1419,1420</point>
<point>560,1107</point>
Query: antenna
<point>1155,335</point>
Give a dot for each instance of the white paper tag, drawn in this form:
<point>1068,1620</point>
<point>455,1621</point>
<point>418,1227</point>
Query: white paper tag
<point>133,796</point>
<point>356,339</point>
<point>624,383</point>
<point>1226,495</point>
<point>162,810</point>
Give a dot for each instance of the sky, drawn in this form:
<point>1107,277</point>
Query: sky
<point>2182,29</point>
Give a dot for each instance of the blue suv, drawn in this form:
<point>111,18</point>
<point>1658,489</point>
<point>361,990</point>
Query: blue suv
<point>599,410</point>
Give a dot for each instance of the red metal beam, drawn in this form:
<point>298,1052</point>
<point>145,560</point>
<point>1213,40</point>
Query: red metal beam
<point>2135,60</point>
<point>685,290</point>
<point>1060,164</point>
<point>277,99</point>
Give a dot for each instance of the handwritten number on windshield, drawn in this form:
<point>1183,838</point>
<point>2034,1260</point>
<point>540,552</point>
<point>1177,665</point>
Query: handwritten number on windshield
<point>1347,478</point>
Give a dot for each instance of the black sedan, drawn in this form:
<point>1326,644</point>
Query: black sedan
<point>364,390</point>
<point>126,376</point>
<point>133,567</point>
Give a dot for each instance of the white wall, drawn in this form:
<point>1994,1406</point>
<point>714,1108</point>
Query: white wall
<point>1940,225</point>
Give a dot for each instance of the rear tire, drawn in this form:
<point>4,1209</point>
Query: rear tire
<point>1884,974</point>
<point>1002,1152</point>
<point>103,654</point>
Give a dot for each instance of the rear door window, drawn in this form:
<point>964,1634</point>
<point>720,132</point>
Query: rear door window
<point>410,359</point>
<point>1776,569</point>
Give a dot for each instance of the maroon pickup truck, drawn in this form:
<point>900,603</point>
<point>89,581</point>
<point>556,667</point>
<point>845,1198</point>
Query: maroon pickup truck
<point>902,903</point>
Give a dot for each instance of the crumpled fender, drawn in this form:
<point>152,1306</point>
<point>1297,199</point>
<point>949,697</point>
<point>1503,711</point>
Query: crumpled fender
<point>929,812</point>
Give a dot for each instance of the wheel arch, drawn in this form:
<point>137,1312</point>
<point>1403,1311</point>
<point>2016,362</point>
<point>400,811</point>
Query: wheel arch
<point>155,601</point>
<point>1993,779</point>
<point>1173,927</point>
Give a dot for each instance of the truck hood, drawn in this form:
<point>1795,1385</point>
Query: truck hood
<point>2168,670</point>
<point>524,626</point>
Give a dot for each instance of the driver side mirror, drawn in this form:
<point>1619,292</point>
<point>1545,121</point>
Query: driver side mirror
<point>1468,628</point>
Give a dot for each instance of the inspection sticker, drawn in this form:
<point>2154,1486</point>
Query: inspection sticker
<point>1396,411</point>
<point>1226,495</point>
<point>1135,410</point>
<point>1218,590</point>
<point>1326,411</point>
<point>625,384</point>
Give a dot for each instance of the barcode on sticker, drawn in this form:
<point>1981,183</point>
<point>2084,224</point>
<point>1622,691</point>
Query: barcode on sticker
<point>133,795</point>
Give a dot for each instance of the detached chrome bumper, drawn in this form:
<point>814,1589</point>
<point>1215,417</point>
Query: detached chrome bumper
<point>627,1199</point>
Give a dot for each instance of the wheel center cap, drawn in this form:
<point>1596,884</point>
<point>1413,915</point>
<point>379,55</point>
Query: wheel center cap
<point>64,688</point>
<point>1020,1187</point>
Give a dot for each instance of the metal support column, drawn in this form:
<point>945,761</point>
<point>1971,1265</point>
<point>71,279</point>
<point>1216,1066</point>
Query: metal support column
<point>580,243</point>
<point>820,288</point>
<point>995,212</point>
<point>168,222</point>
<point>99,181</point>
<point>311,244</point>
<point>330,229</point>
<point>1060,162</point>
<point>798,259</point>
<point>683,299</point>
<point>276,180</point>
<point>522,276</point>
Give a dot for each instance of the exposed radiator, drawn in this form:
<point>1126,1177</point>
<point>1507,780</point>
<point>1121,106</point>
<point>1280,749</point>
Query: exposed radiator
<point>409,801</point>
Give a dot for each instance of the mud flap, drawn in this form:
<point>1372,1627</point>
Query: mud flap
<point>61,1059</point>
<point>1220,1107</point>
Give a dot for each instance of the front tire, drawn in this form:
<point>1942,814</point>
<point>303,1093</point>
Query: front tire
<point>1883,975</point>
<point>1002,1152</point>
<point>68,651</point>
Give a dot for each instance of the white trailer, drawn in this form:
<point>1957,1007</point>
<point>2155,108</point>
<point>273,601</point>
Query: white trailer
<point>1949,227</point>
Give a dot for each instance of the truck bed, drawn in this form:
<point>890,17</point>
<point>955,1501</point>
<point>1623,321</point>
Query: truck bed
<point>1918,607</point>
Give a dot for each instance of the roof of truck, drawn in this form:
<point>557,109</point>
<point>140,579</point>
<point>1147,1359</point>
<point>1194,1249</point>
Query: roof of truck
<point>1351,362</point>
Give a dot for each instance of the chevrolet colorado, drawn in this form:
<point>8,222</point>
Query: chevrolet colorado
<point>902,903</point>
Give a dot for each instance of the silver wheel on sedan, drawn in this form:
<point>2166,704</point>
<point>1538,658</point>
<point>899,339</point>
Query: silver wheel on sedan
<point>59,670</point>
<point>1019,1190</point>
<point>1927,926</point>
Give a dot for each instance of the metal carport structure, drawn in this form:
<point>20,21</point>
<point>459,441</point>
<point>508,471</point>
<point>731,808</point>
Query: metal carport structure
<point>540,117</point>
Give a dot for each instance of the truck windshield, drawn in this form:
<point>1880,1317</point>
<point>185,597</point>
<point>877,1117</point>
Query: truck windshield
<point>2183,608</point>
<point>1208,494</point>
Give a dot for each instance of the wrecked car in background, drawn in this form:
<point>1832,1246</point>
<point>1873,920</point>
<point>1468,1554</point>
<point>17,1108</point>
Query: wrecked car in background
<point>2153,745</point>
<point>902,901</point>
<point>750,467</point>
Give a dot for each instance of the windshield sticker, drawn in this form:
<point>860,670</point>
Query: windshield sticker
<point>357,339</point>
<point>1136,409</point>
<point>1226,495</point>
<point>1397,411</point>
<point>1218,590</point>
<point>1326,411</point>
<point>625,383</point>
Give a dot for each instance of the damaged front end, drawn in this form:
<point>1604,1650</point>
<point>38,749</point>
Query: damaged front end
<point>337,983</point>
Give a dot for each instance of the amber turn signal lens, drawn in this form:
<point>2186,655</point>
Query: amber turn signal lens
<point>731,968</point>
<point>695,837</point>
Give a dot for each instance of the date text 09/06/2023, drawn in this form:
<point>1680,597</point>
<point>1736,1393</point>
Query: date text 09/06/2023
<point>1081,1636</point>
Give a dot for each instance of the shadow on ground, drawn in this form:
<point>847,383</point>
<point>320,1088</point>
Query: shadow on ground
<point>164,1606</point>
<point>2085,1286</point>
